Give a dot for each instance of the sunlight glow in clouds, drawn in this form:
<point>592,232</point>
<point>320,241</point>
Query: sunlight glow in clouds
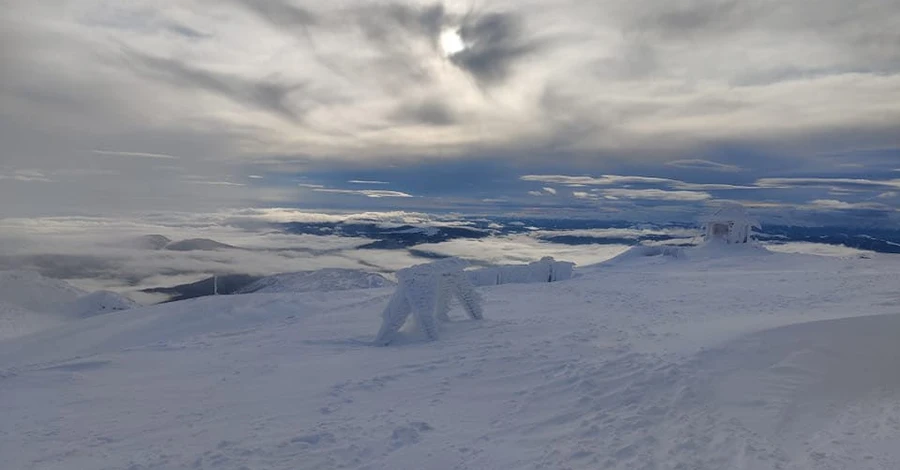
<point>451,42</point>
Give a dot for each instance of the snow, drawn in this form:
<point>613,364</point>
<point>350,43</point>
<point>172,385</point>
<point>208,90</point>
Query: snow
<point>17,321</point>
<point>100,302</point>
<point>638,252</point>
<point>323,280</point>
<point>729,223</point>
<point>545,270</point>
<point>818,249</point>
<point>719,359</point>
<point>426,292</point>
<point>30,302</point>
<point>31,291</point>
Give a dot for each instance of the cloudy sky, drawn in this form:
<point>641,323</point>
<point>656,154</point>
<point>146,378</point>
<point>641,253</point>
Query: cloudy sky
<point>614,107</point>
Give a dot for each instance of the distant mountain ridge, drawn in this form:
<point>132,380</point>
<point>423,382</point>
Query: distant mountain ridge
<point>563,231</point>
<point>388,237</point>
<point>225,285</point>
<point>323,280</point>
<point>198,244</point>
<point>161,242</point>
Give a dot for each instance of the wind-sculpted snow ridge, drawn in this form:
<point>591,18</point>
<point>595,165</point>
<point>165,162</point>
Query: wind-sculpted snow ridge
<point>763,361</point>
<point>323,280</point>
<point>545,270</point>
<point>425,291</point>
<point>658,255</point>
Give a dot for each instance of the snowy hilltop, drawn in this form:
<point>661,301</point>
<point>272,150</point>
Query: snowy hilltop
<point>718,359</point>
<point>30,302</point>
<point>98,302</point>
<point>31,291</point>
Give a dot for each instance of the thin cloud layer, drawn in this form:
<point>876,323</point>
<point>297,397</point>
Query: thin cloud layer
<point>375,193</point>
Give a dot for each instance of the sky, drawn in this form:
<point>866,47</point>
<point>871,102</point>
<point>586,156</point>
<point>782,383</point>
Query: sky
<point>628,109</point>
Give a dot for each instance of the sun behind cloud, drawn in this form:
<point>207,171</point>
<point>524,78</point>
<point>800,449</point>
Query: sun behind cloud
<point>451,42</point>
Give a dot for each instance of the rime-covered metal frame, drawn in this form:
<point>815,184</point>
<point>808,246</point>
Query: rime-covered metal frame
<point>425,291</point>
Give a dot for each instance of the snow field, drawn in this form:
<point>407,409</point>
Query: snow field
<point>752,361</point>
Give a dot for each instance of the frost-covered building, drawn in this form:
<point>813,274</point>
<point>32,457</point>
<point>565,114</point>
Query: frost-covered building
<point>729,223</point>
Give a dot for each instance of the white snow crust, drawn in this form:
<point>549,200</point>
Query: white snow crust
<point>717,359</point>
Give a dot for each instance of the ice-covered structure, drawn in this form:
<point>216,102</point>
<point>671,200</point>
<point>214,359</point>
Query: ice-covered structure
<point>545,270</point>
<point>425,291</point>
<point>730,224</point>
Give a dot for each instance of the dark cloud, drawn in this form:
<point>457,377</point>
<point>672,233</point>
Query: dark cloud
<point>571,118</point>
<point>693,18</point>
<point>282,14</point>
<point>634,60</point>
<point>397,32</point>
<point>268,96</point>
<point>385,24</point>
<point>494,43</point>
<point>185,31</point>
<point>868,35</point>
<point>430,112</point>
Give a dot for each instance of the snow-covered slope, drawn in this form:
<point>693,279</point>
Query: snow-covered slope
<point>752,362</point>
<point>323,280</point>
<point>17,321</point>
<point>31,291</point>
<point>100,302</point>
<point>30,302</point>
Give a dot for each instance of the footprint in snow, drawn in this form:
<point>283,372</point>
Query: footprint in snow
<point>408,435</point>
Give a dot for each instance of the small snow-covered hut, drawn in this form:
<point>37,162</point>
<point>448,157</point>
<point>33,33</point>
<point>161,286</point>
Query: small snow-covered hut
<point>729,223</point>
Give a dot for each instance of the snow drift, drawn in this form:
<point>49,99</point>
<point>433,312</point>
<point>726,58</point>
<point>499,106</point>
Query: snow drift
<point>803,384</point>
